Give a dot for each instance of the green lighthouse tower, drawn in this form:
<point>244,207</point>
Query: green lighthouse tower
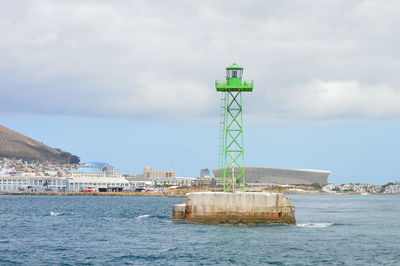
<point>231,139</point>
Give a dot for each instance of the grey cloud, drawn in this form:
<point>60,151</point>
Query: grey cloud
<point>160,58</point>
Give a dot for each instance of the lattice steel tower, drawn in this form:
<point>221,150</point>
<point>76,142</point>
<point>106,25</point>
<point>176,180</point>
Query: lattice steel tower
<point>231,138</point>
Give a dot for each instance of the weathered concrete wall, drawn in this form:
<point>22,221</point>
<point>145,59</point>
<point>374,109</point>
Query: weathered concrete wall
<point>235,208</point>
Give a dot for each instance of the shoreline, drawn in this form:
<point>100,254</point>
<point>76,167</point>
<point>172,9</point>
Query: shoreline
<point>69,194</point>
<point>174,194</point>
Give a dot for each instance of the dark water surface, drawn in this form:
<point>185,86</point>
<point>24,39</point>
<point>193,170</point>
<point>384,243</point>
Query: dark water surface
<point>331,230</point>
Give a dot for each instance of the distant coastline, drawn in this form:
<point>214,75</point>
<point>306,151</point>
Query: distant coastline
<point>174,193</point>
<point>73,193</point>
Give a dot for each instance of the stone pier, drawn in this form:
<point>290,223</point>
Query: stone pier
<point>238,208</point>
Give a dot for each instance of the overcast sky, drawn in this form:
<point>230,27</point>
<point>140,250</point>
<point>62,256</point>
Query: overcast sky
<point>315,63</point>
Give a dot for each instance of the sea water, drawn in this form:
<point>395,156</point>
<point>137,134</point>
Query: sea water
<point>330,230</point>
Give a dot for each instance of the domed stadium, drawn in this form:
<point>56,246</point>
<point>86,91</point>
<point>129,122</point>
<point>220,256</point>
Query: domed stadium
<point>264,175</point>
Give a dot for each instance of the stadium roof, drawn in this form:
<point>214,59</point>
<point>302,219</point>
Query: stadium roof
<point>97,164</point>
<point>87,170</point>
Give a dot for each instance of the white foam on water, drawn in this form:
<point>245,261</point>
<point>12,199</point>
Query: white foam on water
<point>54,213</point>
<point>320,225</point>
<point>143,216</point>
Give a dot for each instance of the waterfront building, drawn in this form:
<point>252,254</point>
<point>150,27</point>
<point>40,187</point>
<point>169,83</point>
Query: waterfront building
<point>102,184</point>
<point>138,181</point>
<point>18,175</point>
<point>174,181</point>
<point>208,181</point>
<point>32,183</point>
<point>95,169</point>
<point>96,176</point>
<point>149,173</point>
<point>160,179</point>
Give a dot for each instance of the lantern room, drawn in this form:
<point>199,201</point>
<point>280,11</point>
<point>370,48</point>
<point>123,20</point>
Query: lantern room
<point>234,71</point>
<point>234,82</point>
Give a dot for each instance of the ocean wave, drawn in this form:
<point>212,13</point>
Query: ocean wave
<point>143,216</point>
<point>58,213</point>
<point>320,225</point>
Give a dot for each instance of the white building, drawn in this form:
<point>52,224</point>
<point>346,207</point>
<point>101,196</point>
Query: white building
<point>36,183</point>
<point>139,182</point>
<point>81,183</point>
<point>91,176</point>
<point>98,176</point>
<point>95,169</point>
<point>149,173</point>
<point>174,181</point>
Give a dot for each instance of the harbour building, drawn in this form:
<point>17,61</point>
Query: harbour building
<point>32,183</point>
<point>152,174</point>
<point>92,176</point>
<point>101,184</point>
<point>96,176</point>
<point>94,169</point>
<point>159,178</point>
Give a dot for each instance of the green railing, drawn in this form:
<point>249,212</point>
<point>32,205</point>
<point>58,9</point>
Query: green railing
<point>245,83</point>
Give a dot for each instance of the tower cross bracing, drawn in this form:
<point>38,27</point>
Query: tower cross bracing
<point>231,135</point>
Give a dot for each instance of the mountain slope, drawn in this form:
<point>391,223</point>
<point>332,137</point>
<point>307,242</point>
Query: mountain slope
<point>17,146</point>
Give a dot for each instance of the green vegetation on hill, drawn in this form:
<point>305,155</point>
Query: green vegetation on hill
<point>17,146</point>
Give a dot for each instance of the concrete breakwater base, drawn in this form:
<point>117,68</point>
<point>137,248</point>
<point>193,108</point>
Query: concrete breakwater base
<point>237,208</point>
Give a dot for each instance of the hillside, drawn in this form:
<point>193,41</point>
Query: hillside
<point>17,146</point>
